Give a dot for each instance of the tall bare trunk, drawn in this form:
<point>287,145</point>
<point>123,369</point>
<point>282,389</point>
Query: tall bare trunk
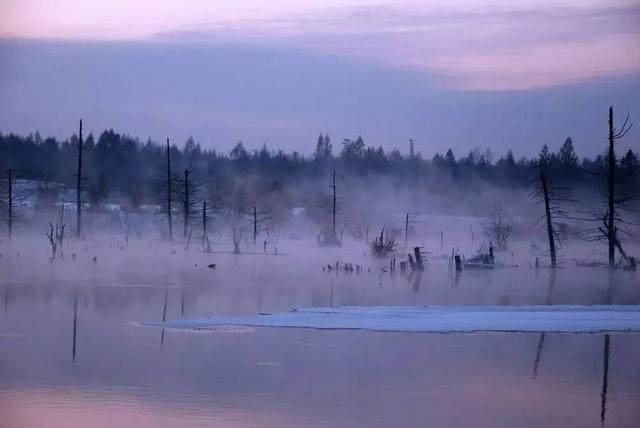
<point>406,220</point>
<point>169,192</point>
<point>611,193</point>
<point>255,225</point>
<point>334,205</point>
<point>10,203</point>
<point>547,211</point>
<point>186,207</point>
<point>79,186</point>
<point>204,224</point>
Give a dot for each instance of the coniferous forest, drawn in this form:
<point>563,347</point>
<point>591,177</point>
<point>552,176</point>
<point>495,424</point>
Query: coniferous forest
<point>124,167</point>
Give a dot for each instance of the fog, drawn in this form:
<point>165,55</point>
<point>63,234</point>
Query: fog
<point>73,351</point>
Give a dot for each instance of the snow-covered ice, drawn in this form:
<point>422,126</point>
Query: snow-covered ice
<point>439,319</point>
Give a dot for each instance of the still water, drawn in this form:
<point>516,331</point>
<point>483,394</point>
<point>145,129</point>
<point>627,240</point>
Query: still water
<point>73,355</point>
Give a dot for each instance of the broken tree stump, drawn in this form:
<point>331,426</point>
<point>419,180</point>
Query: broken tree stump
<point>458,263</point>
<point>419,263</point>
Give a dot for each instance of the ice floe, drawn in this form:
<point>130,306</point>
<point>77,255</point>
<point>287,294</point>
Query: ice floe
<point>439,319</point>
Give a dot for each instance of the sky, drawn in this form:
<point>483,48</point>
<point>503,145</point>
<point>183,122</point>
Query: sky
<point>490,74</point>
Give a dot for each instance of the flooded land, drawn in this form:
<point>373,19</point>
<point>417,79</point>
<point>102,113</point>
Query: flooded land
<point>73,351</point>
<point>319,214</point>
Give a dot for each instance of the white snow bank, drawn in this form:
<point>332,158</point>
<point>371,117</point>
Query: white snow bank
<point>440,319</point>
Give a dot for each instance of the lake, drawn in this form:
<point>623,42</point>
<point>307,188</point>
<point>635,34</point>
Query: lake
<point>73,352</point>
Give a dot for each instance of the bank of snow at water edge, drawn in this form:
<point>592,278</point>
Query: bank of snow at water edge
<point>439,319</point>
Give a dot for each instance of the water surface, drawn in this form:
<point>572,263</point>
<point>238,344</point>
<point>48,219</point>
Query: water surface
<point>71,353</point>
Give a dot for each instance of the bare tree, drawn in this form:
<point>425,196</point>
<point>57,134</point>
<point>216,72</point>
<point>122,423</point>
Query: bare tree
<point>333,217</point>
<point>10,200</point>
<point>409,220</point>
<point>79,186</point>
<point>56,235</point>
<point>206,217</point>
<point>169,179</point>
<point>169,184</point>
<point>381,246</point>
<point>619,195</point>
<point>330,237</point>
<point>550,196</point>
<point>208,213</point>
<point>259,220</point>
<point>188,197</point>
<point>498,228</point>
<point>613,199</point>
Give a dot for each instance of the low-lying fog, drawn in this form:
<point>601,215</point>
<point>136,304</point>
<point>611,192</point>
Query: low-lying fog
<point>72,351</point>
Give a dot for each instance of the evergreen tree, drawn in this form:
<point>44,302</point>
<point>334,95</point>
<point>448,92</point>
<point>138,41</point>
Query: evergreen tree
<point>324,149</point>
<point>567,155</point>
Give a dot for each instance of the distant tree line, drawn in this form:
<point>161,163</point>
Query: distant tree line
<point>122,164</point>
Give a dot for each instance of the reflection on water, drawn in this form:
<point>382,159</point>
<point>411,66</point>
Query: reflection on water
<point>119,375</point>
<point>75,326</point>
<point>605,378</point>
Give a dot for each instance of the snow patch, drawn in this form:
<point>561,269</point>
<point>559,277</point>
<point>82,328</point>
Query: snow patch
<point>439,319</point>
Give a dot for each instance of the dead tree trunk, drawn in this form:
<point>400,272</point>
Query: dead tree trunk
<point>79,186</point>
<point>186,207</point>
<point>631,262</point>
<point>164,315</point>
<point>617,196</point>
<point>611,193</point>
<point>204,224</point>
<point>547,212</point>
<point>419,262</point>
<point>255,225</point>
<point>10,203</point>
<point>334,205</point>
<point>169,192</point>
<point>406,222</point>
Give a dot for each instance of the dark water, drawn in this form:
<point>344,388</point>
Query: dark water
<point>116,373</point>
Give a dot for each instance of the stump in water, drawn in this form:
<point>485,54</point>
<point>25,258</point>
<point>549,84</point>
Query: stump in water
<point>419,264</point>
<point>380,246</point>
<point>458,263</point>
<point>236,242</point>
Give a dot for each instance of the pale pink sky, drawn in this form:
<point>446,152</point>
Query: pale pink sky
<point>481,45</point>
<point>281,71</point>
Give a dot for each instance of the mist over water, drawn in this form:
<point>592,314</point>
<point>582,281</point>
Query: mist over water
<point>74,353</point>
<point>268,233</point>
<point>336,214</point>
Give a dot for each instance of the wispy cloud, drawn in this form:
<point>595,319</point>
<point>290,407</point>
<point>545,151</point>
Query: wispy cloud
<point>471,44</point>
<point>481,49</point>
